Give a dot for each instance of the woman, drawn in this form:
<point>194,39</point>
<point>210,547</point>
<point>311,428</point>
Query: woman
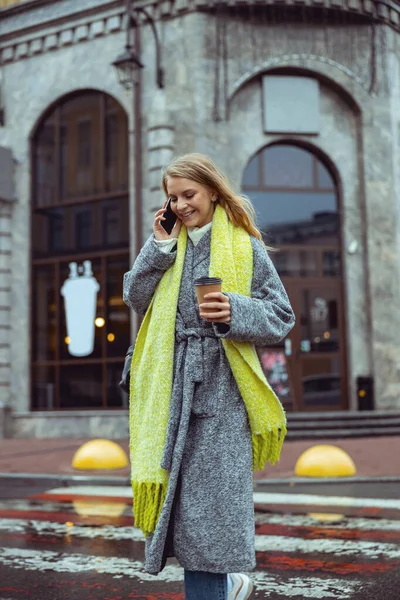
<point>202,414</point>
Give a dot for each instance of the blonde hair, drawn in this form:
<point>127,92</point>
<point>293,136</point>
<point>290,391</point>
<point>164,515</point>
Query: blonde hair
<point>201,169</point>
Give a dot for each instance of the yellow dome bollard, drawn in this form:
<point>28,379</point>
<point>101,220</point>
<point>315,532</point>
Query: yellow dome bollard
<point>325,461</point>
<point>100,454</point>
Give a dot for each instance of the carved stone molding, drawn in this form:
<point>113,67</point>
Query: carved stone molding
<point>284,59</point>
<point>52,37</point>
<point>379,11</point>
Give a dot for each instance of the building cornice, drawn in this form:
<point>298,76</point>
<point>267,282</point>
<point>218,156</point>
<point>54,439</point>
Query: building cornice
<point>383,11</point>
<point>66,30</point>
<point>60,21</point>
<point>108,17</point>
<point>379,11</point>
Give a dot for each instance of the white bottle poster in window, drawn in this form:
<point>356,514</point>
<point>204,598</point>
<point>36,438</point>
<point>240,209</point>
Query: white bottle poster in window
<point>80,298</point>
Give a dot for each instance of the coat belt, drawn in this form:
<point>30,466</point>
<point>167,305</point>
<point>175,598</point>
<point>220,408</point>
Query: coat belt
<point>194,359</point>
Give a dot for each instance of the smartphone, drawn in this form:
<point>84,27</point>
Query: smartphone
<point>170,218</point>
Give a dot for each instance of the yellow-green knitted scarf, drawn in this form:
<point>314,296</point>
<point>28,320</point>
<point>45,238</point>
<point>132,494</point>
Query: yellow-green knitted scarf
<point>152,372</point>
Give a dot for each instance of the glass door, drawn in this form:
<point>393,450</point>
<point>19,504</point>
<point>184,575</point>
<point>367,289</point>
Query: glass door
<point>314,348</point>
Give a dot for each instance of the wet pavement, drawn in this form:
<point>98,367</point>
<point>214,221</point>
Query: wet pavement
<point>325,542</point>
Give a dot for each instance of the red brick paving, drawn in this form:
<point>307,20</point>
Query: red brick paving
<point>378,456</point>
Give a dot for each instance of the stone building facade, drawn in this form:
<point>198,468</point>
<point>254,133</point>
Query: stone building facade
<point>299,105</point>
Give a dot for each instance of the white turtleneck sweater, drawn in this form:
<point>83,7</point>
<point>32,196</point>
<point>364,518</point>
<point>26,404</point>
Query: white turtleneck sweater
<point>195,234</point>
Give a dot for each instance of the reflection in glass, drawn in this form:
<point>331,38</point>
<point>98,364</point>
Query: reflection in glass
<point>319,319</point>
<point>321,383</point>
<point>331,266</point>
<point>295,263</point>
<point>290,216</point>
<point>251,176</point>
<point>287,166</point>
<point>324,177</point>
<point>294,198</point>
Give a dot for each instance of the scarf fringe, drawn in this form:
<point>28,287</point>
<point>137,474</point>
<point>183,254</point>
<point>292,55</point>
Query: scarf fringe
<point>148,500</point>
<point>267,447</point>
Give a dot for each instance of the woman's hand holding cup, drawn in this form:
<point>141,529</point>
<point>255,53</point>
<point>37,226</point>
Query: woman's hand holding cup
<point>159,231</point>
<point>218,308</point>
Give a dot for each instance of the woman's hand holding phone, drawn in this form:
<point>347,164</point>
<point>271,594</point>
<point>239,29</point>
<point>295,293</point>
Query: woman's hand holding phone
<point>159,231</point>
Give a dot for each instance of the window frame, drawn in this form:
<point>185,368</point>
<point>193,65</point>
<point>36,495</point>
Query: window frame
<point>56,260</point>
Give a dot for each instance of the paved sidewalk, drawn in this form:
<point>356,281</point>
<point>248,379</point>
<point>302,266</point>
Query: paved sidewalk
<point>373,457</point>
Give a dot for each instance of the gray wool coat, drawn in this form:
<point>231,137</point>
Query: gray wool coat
<point>207,521</point>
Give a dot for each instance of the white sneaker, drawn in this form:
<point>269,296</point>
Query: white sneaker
<point>242,586</point>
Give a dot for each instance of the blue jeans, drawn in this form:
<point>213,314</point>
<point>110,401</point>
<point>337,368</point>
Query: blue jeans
<point>200,585</point>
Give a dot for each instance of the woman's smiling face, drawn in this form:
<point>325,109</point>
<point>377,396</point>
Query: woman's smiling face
<point>191,201</point>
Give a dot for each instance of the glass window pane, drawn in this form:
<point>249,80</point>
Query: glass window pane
<point>81,386</point>
<point>325,179</point>
<point>63,191</point>
<point>84,228</point>
<point>116,147</point>
<point>81,227</point>
<point>118,314</point>
<point>83,304</point>
<point>331,264</point>
<point>43,388</point>
<point>44,318</point>
<point>91,161</point>
<point>251,174</point>
<point>287,167</point>
<point>80,138</point>
<point>116,223</point>
<point>295,263</point>
<point>296,217</point>
<point>321,382</point>
<point>319,320</point>
<point>56,231</point>
<point>45,163</point>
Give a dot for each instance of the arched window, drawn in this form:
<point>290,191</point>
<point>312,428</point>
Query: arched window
<point>295,199</point>
<point>80,250</point>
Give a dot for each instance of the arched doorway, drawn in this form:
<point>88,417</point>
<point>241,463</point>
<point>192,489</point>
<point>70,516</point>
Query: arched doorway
<point>80,249</point>
<point>296,201</point>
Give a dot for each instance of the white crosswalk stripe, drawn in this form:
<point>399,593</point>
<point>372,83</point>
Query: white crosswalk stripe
<point>117,567</point>
<point>264,543</point>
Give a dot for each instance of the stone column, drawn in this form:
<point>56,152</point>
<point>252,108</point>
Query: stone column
<point>382,187</point>
<point>7,196</point>
<point>160,151</point>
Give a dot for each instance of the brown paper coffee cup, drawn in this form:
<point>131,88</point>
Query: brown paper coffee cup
<point>207,285</point>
